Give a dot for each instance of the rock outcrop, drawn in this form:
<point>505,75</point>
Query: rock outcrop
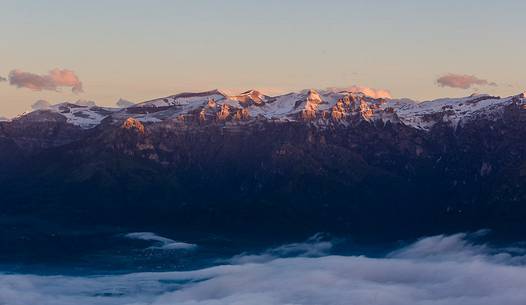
<point>133,124</point>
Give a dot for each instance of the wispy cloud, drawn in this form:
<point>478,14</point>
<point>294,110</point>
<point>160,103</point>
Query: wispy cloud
<point>462,81</point>
<point>316,246</point>
<point>122,103</point>
<point>40,105</point>
<point>52,81</point>
<point>162,243</point>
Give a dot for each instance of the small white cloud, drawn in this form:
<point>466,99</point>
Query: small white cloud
<point>54,80</point>
<point>462,81</point>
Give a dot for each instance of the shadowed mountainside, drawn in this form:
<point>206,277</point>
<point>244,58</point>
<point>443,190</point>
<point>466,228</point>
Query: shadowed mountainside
<point>367,176</point>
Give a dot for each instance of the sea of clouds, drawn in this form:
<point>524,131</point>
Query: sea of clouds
<point>438,270</point>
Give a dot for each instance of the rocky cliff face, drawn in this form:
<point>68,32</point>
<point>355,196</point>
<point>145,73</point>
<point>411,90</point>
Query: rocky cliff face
<point>310,160</point>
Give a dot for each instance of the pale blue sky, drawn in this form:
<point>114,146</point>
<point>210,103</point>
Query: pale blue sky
<point>144,49</point>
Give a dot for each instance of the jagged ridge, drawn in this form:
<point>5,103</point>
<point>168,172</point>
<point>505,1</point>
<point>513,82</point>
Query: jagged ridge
<point>317,108</point>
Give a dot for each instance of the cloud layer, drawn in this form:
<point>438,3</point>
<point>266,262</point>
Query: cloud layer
<point>52,81</point>
<point>440,270</point>
<point>462,81</point>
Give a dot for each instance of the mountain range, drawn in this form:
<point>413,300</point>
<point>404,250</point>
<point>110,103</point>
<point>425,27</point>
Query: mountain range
<point>303,161</point>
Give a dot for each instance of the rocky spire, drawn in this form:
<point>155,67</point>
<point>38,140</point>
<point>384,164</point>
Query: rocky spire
<point>223,113</point>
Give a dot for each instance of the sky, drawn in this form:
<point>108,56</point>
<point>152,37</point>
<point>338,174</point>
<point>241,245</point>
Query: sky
<point>138,50</point>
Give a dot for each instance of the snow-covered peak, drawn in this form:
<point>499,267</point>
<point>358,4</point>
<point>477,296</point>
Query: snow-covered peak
<point>254,94</point>
<point>183,99</point>
<point>399,103</point>
<point>454,111</point>
<point>314,96</point>
<point>250,97</point>
<point>85,114</point>
<point>342,91</point>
